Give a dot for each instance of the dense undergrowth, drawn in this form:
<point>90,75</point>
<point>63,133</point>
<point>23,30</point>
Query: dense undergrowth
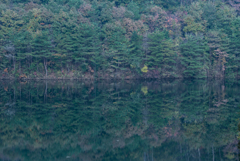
<point>119,39</point>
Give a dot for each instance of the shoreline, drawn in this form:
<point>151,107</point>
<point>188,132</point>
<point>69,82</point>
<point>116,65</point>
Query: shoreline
<point>129,75</point>
<point>219,78</point>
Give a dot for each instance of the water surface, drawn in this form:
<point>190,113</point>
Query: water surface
<point>170,120</point>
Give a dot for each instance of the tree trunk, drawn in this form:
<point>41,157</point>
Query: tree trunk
<point>95,70</point>
<point>14,94</point>
<point>20,66</point>
<point>45,93</point>
<point>14,63</point>
<point>199,154</point>
<point>45,66</point>
<point>67,68</point>
<point>213,153</point>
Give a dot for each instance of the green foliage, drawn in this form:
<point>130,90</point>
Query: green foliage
<point>195,24</point>
<point>144,69</point>
<point>121,36</point>
<point>23,45</point>
<point>118,47</point>
<point>41,46</point>
<point>168,5</point>
<point>233,50</point>
<point>133,7</point>
<point>135,53</point>
<point>62,119</point>
<point>162,53</point>
<point>210,15</point>
<point>194,57</point>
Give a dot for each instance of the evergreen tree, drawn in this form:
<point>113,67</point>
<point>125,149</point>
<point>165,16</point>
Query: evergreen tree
<point>23,45</point>
<point>210,14</point>
<point>225,15</point>
<point>89,45</point>
<point>101,12</point>
<point>194,57</point>
<point>65,34</point>
<point>135,51</point>
<point>222,55</point>
<point>195,24</point>
<point>162,53</point>
<point>42,49</point>
<point>97,35</point>
<point>133,7</point>
<point>233,59</point>
<point>169,5</point>
<point>214,43</point>
<point>119,51</point>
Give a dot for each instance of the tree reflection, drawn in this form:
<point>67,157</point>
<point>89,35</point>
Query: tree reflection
<point>168,120</point>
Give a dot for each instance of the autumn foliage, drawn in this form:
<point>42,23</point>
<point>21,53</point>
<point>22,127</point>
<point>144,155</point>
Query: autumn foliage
<point>193,39</point>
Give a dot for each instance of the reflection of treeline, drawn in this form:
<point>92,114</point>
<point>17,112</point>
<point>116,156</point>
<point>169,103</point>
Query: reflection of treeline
<point>119,39</point>
<point>117,120</point>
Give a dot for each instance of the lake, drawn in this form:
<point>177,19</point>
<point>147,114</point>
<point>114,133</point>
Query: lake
<point>165,120</point>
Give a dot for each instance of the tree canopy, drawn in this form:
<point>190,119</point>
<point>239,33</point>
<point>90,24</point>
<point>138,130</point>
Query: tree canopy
<point>117,39</point>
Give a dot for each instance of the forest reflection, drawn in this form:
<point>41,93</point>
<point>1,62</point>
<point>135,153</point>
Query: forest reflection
<point>174,120</point>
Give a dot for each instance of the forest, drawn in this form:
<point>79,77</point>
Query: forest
<point>122,39</point>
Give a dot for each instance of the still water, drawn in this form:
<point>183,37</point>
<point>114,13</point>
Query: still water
<point>170,120</point>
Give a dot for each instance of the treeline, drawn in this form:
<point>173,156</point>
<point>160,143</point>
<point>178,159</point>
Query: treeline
<point>119,39</point>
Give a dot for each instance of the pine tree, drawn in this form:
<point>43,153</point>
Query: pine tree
<point>133,7</point>
<point>233,59</point>
<point>194,57</point>
<point>135,51</point>
<point>169,5</point>
<point>214,43</point>
<point>66,38</point>
<point>89,46</point>
<point>23,45</point>
<point>210,14</point>
<point>225,15</point>
<point>118,52</point>
<point>10,23</point>
<point>161,52</point>
<point>42,48</point>
<point>194,20</point>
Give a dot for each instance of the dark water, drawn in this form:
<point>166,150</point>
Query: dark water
<point>170,120</point>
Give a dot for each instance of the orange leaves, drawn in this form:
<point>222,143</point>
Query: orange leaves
<point>22,76</point>
<point>58,105</point>
<point>221,58</point>
<point>90,90</point>
<point>132,26</point>
<point>156,17</point>
<point>50,63</point>
<point>59,55</point>
<point>90,69</point>
<point>6,88</point>
<point>6,70</point>
<point>171,23</point>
